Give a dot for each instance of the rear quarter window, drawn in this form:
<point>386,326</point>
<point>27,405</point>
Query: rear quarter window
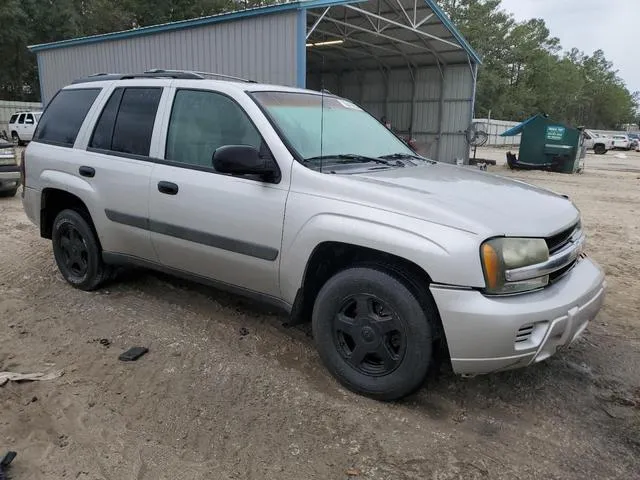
<point>63,117</point>
<point>14,118</point>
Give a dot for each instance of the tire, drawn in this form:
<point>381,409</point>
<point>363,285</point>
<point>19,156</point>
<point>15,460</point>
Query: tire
<point>9,193</point>
<point>352,312</point>
<point>599,149</point>
<point>15,138</point>
<point>77,251</point>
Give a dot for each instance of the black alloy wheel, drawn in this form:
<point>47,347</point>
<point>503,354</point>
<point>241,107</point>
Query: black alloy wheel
<point>369,335</point>
<point>373,333</point>
<point>77,250</point>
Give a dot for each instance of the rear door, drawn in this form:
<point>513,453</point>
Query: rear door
<point>20,125</point>
<point>29,127</point>
<point>117,164</point>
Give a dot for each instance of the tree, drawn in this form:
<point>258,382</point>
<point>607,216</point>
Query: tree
<point>525,73</point>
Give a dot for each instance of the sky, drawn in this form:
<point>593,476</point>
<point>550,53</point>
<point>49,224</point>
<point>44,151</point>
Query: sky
<point>589,25</point>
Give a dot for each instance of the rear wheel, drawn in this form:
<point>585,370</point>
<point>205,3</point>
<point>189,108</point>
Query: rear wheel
<point>9,193</point>
<point>599,149</point>
<point>77,251</point>
<point>15,138</point>
<point>372,333</point>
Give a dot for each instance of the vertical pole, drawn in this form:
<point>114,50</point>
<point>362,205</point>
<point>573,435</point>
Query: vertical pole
<point>414,94</point>
<point>441,115</point>
<point>386,78</point>
<point>474,74</point>
<point>301,49</point>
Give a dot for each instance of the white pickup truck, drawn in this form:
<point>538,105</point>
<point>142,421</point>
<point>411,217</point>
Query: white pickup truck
<point>598,142</point>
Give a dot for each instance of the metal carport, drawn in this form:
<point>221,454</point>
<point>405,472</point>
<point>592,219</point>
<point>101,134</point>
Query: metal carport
<point>402,59</point>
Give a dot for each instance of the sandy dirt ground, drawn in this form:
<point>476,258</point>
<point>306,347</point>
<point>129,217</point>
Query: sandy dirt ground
<point>227,392</point>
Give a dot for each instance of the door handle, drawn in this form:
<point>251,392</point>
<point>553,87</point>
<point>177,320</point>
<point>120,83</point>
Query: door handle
<point>168,188</point>
<point>87,171</point>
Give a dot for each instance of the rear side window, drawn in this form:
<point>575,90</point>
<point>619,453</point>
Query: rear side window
<point>14,118</point>
<point>126,123</point>
<point>62,119</point>
<point>21,119</point>
<point>103,133</point>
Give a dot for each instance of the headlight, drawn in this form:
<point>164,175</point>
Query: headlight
<point>501,254</point>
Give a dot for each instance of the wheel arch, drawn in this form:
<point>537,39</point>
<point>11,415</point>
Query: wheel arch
<point>55,200</point>
<point>331,257</point>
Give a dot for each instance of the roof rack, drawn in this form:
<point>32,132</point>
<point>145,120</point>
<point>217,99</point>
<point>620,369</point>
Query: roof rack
<point>201,74</point>
<point>100,77</point>
<point>158,73</point>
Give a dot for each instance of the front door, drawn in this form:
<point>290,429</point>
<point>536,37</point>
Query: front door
<point>221,227</point>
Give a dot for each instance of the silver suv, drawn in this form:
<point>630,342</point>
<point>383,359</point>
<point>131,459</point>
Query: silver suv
<point>304,200</point>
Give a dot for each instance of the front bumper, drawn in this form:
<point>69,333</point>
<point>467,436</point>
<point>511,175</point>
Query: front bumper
<point>9,178</point>
<point>487,334</point>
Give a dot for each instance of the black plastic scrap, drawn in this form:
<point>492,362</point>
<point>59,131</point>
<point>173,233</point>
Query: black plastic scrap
<point>4,464</point>
<point>132,355</point>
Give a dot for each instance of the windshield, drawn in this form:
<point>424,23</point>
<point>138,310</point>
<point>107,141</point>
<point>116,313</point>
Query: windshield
<point>346,130</point>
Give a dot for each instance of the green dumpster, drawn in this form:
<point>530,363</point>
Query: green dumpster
<point>548,144</point>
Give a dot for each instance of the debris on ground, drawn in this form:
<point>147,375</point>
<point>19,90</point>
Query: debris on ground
<point>133,354</point>
<point>5,462</point>
<point>28,377</point>
<point>353,472</point>
<point>244,331</point>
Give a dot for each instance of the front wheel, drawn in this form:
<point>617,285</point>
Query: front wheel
<point>599,150</point>
<point>77,251</point>
<point>372,333</point>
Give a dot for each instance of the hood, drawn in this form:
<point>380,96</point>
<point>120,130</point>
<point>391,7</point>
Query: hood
<point>467,199</point>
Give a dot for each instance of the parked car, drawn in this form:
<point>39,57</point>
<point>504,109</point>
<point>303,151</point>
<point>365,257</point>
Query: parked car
<point>22,125</point>
<point>9,170</point>
<point>398,261</point>
<point>622,142</point>
<point>635,141</point>
<point>599,143</point>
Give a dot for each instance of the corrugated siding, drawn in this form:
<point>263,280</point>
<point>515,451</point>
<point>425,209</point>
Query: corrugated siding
<point>457,112</point>
<point>260,48</point>
<point>370,90</point>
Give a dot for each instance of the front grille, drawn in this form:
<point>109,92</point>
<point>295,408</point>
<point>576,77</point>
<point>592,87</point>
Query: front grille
<point>524,334</point>
<point>558,274</point>
<point>560,240</point>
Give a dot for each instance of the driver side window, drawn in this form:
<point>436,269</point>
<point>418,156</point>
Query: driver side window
<point>201,122</point>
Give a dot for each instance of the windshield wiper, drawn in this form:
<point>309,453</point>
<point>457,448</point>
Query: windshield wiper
<point>357,158</point>
<point>401,156</point>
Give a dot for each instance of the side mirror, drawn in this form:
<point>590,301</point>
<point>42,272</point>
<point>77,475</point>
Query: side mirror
<point>242,160</point>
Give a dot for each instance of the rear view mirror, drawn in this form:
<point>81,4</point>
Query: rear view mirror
<point>242,160</point>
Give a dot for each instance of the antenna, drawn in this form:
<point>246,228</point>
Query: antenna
<point>321,112</point>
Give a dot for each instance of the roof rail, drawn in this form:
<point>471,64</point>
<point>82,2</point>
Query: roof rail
<point>201,74</point>
<point>100,77</point>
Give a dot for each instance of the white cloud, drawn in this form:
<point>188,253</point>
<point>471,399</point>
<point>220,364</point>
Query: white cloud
<point>590,25</point>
